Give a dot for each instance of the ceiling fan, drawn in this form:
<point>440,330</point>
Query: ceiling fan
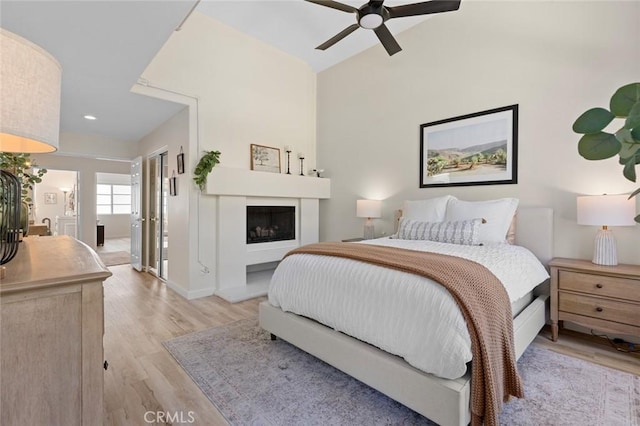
<point>372,16</point>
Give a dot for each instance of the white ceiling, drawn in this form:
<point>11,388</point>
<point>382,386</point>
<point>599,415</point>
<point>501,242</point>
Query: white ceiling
<point>104,46</point>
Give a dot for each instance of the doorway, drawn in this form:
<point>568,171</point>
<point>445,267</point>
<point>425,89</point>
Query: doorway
<point>54,209</point>
<point>158,260</point>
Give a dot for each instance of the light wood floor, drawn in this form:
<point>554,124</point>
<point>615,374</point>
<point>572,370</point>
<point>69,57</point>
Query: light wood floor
<point>115,244</point>
<point>141,313</point>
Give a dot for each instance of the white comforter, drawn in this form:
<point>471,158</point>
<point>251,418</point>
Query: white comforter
<point>401,313</point>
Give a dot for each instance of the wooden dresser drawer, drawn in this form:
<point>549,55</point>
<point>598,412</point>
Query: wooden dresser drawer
<point>595,307</point>
<point>601,285</point>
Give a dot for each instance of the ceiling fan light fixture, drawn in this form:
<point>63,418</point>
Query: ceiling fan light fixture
<point>370,21</point>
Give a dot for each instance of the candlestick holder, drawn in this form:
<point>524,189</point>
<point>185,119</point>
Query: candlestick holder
<point>288,151</point>
<point>301,166</point>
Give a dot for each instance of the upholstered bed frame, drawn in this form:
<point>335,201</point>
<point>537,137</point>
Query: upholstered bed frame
<point>443,401</point>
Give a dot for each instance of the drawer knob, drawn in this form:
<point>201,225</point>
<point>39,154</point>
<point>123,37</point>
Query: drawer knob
<point>599,309</point>
<point>599,285</point>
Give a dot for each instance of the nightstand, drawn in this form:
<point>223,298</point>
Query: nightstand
<point>605,298</point>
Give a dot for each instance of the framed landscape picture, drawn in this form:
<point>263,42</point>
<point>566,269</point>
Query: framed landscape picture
<point>265,158</point>
<point>474,149</point>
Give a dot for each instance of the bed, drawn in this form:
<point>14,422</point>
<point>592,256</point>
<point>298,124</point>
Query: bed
<point>442,400</point>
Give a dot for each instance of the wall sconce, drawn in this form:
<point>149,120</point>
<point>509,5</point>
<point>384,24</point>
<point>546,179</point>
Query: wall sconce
<point>369,209</point>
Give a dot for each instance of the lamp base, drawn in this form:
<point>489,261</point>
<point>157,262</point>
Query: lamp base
<point>369,233</point>
<point>605,252</point>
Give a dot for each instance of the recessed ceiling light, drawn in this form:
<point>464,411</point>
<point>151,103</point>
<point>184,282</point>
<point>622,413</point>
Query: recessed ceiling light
<point>90,117</point>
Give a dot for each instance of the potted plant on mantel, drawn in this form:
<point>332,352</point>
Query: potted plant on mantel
<point>21,166</point>
<point>596,144</point>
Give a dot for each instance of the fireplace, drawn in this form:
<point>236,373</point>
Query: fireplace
<point>270,223</point>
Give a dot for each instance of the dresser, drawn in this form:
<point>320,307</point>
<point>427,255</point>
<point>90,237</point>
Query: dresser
<point>604,298</point>
<point>51,329</point>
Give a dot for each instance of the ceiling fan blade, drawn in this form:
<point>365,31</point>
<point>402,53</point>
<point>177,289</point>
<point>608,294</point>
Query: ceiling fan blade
<point>390,44</point>
<point>334,5</point>
<point>424,8</point>
<point>336,38</point>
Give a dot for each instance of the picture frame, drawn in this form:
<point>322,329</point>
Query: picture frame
<point>50,198</point>
<point>265,158</point>
<point>173,185</point>
<point>473,149</point>
<point>180,161</point>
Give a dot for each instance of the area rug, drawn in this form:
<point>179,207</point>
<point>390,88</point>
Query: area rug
<point>113,258</point>
<point>255,381</point>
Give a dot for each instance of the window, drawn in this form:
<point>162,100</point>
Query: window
<point>113,199</point>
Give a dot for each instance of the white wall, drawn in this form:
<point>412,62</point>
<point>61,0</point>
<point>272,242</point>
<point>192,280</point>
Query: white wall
<point>239,91</point>
<point>554,59</point>
<point>170,136</point>
<point>248,91</point>
<point>96,146</point>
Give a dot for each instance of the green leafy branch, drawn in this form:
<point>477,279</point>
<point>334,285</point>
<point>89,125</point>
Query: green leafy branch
<point>204,167</point>
<point>21,166</point>
<point>596,144</point>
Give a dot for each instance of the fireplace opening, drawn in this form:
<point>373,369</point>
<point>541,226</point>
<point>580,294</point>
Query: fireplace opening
<point>270,223</point>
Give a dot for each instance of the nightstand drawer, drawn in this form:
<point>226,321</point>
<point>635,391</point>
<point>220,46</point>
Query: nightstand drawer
<point>621,288</point>
<point>610,310</point>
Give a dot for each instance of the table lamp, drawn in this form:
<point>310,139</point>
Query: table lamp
<point>606,210</point>
<point>369,209</point>
<point>30,85</point>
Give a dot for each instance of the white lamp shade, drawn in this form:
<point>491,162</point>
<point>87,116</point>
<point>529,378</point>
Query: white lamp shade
<point>606,210</point>
<point>30,81</point>
<point>368,208</point>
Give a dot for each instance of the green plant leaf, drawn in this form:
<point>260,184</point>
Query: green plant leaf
<point>634,193</point>
<point>623,161</point>
<point>637,218</point>
<point>635,134</point>
<point>628,150</point>
<point>598,146</point>
<point>633,120</point>
<point>629,170</point>
<point>593,121</point>
<point>624,99</point>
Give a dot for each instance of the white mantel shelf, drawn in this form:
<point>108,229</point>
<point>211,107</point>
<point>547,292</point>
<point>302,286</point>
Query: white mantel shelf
<point>249,183</point>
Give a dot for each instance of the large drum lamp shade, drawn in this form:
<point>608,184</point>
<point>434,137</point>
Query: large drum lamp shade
<point>30,80</point>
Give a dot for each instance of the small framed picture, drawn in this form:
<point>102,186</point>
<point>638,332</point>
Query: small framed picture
<point>173,186</point>
<point>181,162</point>
<point>50,198</point>
<point>265,158</point>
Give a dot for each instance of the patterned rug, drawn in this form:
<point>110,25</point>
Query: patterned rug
<point>113,258</point>
<point>255,381</point>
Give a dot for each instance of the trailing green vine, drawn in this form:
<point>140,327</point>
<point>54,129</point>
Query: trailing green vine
<point>204,167</point>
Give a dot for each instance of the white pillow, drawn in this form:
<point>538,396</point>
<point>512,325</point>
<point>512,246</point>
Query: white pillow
<point>497,214</point>
<point>431,210</point>
<point>463,232</point>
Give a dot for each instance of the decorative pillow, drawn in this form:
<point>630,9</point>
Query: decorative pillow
<point>497,213</point>
<point>511,233</point>
<point>431,210</point>
<point>463,232</point>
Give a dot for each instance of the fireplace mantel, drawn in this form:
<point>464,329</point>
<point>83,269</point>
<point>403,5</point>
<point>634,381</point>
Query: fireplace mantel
<point>250,183</point>
<point>244,270</point>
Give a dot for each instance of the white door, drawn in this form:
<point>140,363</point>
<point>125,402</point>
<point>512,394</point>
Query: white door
<point>136,213</point>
